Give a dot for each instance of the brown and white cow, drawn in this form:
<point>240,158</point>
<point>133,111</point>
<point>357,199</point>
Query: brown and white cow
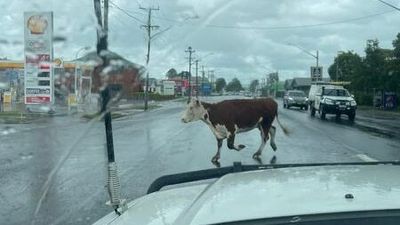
<point>229,117</point>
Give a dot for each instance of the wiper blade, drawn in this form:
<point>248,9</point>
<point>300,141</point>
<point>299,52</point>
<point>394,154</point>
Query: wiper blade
<point>199,175</point>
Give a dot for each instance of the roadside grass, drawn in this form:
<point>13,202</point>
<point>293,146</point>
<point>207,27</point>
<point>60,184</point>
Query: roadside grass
<point>181,99</point>
<point>379,112</point>
<point>15,117</point>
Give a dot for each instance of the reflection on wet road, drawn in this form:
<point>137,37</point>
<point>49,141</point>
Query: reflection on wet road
<point>147,146</point>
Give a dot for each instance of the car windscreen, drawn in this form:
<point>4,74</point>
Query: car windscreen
<point>336,92</point>
<point>297,94</point>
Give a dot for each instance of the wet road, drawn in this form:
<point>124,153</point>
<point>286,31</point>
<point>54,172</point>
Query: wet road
<point>147,146</point>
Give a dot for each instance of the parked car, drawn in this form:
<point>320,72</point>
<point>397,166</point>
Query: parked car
<point>295,98</point>
<point>334,100</point>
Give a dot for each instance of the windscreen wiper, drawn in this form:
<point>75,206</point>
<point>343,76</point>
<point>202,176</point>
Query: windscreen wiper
<point>113,184</point>
<point>199,175</point>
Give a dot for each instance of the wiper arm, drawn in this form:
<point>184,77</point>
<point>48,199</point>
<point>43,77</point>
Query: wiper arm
<point>113,183</point>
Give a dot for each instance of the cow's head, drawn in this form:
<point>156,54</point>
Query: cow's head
<point>194,111</point>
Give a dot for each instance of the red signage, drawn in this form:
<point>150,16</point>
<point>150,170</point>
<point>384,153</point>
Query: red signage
<point>185,83</point>
<point>38,99</point>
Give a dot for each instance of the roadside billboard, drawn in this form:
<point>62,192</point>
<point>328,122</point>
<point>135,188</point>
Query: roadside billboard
<point>168,87</point>
<point>389,100</point>
<point>38,75</point>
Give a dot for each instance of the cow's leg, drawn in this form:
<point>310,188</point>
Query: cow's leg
<point>217,156</point>
<point>272,132</point>
<point>231,143</point>
<point>264,139</point>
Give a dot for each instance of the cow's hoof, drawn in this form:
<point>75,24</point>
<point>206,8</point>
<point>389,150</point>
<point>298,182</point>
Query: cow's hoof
<point>256,156</point>
<point>273,160</point>
<point>241,147</point>
<point>274,147</point>
<point>217,164</point>
<point>215,159</point>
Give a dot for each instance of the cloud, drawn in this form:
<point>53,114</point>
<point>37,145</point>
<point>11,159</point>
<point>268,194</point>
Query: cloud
<point>242,53</point>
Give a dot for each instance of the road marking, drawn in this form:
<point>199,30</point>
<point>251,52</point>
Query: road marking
<point>366,158</point>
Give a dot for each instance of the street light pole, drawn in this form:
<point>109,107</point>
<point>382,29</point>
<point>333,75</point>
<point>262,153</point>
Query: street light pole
<point>76,69</point>
<point>197,79</point>
<point>190,51</point>
<point>308,53</point>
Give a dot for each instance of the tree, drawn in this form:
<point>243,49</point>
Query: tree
<point>396,46</point>
<point>220,84</point>
<point>253,85</point>
<point>171,73</point>
<point>184,74</point>
<point>272,81</point>
<point>234,85</point>
<point>374,66</point>
<point>346,66</point>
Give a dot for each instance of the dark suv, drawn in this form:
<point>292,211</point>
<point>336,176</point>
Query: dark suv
<point>295,98</point>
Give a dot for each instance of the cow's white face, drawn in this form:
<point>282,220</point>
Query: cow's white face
<point>194,111</point>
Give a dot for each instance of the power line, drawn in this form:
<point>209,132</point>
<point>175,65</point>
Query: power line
<point>296,26</point>
<point>126,12</point>
<point>386,3</point>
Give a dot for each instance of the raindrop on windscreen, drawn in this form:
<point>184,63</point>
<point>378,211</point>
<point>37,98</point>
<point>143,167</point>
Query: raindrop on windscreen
<point>58,38</point>
<point>26,156</point>
<point>3,42</point>
<point>3,85</point>
<point>17,42</point>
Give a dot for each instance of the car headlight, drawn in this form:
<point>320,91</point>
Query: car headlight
<point>290,99</point>
<point>329,101</point>
<point>353,103</point>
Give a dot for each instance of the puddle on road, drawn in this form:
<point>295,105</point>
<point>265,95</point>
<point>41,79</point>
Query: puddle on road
<point>8,130</point>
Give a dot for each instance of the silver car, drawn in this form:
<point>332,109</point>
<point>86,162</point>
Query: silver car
<point>295,98</point>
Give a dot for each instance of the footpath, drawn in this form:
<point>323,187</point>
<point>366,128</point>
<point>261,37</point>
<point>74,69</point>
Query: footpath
<point>380,121</point>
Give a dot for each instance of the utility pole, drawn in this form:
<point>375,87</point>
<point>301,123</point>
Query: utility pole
<point>190,51</point>
<point>197,78</point>
<point>149,27</point>
<point>106,16</point>
<point>337,67</point>
<point>211,78</point>
<point>202,80</point>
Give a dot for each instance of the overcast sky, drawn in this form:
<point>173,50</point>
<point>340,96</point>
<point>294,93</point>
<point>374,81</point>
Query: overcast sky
<point>239,38</point>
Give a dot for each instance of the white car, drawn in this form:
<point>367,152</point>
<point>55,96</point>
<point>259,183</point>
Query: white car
<point>342,193</point>
<point>330,99</point>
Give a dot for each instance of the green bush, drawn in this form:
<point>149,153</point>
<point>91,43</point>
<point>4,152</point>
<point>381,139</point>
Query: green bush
<point>363,98</point>
<point>152,96</point>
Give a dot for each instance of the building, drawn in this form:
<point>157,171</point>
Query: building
<point>121,73</point>
<point>300,83</point>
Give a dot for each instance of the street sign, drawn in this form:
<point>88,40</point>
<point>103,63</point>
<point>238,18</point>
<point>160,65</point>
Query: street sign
<point>38,72</point>
<point>316,73</point>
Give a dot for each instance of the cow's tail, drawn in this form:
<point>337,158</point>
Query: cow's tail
<point>285,129</point>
